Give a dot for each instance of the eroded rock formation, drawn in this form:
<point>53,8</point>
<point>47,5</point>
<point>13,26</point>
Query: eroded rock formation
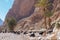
<point>30,17</point>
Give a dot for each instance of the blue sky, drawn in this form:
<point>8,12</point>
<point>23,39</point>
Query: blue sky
<point>5,5</point>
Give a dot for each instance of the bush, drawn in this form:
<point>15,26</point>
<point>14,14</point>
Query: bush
<point>11,23</point>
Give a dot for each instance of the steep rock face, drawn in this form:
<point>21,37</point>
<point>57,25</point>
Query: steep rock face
<point>36,20</point>
<point>21,9</point>
<point>32,22</point>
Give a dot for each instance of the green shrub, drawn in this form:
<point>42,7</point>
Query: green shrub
<point>11,23</point>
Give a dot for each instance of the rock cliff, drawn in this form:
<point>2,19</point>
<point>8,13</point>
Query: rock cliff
<point>21,9</point>
<point>30,17</point>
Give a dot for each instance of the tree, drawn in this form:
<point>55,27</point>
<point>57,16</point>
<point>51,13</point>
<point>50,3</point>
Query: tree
<point>11,23</point>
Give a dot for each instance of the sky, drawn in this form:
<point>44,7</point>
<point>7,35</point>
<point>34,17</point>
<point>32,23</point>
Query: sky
<point>5,5</point>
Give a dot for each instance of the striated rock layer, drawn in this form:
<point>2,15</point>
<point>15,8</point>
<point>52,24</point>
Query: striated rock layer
<point>36,20</point>
<point>30,17</point>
